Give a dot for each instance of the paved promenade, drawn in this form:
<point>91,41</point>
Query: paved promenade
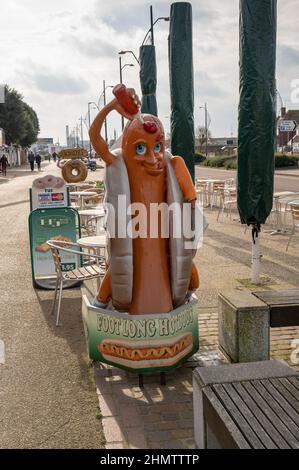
<point>47,392</point>
<point>50,394</point>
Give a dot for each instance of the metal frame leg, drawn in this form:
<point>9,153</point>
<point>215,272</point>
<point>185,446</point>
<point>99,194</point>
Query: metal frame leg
<point>55,297</point>
<point>290,238</point>
<point>140,380</point>
<point>59,302</point>
<point>163,379</point>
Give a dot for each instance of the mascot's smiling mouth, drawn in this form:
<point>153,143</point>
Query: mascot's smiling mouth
<point>155,169</point>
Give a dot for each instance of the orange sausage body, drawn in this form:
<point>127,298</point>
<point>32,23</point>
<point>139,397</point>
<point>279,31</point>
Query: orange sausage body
<point>147,179</point>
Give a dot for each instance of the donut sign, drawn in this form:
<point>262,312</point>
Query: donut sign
<point>49,192</point>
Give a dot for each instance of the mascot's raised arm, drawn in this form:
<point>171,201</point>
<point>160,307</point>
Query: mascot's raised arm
<point>147,274</point>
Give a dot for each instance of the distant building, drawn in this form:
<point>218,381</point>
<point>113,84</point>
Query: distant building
<point>284,139</point>
<point>46,145</point>
<point>217,145</point>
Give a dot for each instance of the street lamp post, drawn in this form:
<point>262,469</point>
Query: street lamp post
<point>130,52</point>
<point>77,135</point>
<point>121,67</point>
<point>81,130</point>
<point>104,96</point>
<point>121,80</point>
<point>89,123</point>
<point>152,24</point>
<point>206,127</point>
<point>89,128</point>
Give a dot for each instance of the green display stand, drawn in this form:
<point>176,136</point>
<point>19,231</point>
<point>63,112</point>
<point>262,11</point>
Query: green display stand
<point>47,224</point>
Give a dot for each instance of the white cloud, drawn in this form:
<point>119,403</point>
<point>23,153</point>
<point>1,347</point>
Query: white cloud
<point>57,53</point>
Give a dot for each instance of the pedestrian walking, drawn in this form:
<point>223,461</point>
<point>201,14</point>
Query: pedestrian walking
<point>3,164</point>
<point>55,156</point>
<point>38,160</point>
<point>31,160</point>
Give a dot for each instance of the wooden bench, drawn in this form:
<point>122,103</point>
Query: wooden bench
<point>246,406</point>
<point>283,306</point>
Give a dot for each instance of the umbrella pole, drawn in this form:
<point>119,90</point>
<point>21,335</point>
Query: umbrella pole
<point>256,255</point>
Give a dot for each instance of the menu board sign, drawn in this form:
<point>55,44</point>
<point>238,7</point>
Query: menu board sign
<point>51,224</point>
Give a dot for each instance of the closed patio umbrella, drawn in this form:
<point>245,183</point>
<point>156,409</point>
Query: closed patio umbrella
<point>148,79</point>
<point>181,83</point>
<point>257,116</point>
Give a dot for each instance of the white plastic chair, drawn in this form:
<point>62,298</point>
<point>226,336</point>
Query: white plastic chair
<point>228,199</point>
<point>295,216</point>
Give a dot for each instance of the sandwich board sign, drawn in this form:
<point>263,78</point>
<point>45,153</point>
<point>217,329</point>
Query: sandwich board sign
<point>51,219</point>
<point>51,224</point>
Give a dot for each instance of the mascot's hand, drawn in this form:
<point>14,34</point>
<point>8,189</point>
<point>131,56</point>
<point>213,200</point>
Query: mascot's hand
<point>119,108</point>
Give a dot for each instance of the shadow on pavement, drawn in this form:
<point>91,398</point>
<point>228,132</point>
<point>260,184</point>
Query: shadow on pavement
<point>26,201</point>
<point>152,417</point>
<point>71,329</point>
<point>239,251</point>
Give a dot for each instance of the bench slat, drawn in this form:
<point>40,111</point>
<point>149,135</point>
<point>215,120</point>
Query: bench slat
<point>277,407</point>
<point>292,390</point>
<point>283,306</point>
<point>280,397</point>
<point>243,425</point>
<point>281,300</point>
<point>259,407</point>
<point>274,296</point>
<point>287,395</point>
<point>247,412</point>
<point>295,382</point>
<point>225,429</point>
<point>292,393</point>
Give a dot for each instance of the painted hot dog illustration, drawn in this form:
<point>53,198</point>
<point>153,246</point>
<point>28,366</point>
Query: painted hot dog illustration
<point>149,353</point>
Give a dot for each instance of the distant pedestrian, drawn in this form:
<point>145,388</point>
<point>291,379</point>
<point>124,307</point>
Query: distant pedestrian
<point>31,160</point>
<point>3,164</point>
<point>55,156</point>
<point>38,160</point>
<point>49,157</point>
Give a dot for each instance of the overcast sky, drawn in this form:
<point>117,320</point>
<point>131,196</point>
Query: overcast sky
<point>57,53</point>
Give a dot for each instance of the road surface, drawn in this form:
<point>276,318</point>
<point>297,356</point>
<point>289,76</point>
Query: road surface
<point>282,182</point>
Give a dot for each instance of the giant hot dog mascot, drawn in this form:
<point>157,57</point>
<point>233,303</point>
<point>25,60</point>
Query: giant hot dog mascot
<point>146,275</point>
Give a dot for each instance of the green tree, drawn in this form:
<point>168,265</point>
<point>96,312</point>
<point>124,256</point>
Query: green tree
<point>201,136</point>
<point>18,119</point>
<point>31,127</point>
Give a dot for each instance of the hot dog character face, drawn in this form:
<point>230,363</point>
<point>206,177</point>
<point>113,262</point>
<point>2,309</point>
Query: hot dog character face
<point>144,146</point>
